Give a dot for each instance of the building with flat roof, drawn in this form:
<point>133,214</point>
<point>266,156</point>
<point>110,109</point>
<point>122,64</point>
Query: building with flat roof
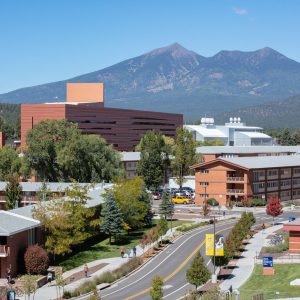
<point>234,133</point>
<point>238,177</point>
<point>212,152</point>
<point>122,128</point>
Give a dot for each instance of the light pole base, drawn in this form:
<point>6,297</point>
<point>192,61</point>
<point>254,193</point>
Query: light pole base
<point>213,278</point>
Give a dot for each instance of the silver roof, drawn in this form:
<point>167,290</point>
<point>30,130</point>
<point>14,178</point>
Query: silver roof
<point>36,186</point>
<point>261,162</point>
<point>130,156</point>
<point>11,223</point>
<point>247,149</point>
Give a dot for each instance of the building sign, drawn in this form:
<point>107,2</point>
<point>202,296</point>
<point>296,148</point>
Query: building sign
<point>267,261</point>
<point>209,244</point>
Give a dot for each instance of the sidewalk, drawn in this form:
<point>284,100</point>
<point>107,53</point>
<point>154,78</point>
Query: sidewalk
<point>50,292</point>
<point>246,263</point>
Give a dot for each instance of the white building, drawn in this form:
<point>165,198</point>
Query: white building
<point>234,133</point>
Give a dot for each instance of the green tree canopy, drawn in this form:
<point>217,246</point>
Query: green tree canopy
<point>166,207</point>
<point>156,291</point>
<point>13,193</point>
<point>67,221</point>
<point>130,195</point>
<point>57,151</point>
<point>154,158</point>
<point>184,155</point>
<point>10,162</point>
<point>112,220</point>
<point>197,273</point>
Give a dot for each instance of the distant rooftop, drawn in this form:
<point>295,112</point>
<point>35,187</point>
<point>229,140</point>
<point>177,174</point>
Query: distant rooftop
<point>207,132</point>
<point>247,149</point>
<point>130,156</point>
<point>262,162</point>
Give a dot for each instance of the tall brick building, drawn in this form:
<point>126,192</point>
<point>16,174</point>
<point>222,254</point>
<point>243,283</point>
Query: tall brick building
<point>123,128</point>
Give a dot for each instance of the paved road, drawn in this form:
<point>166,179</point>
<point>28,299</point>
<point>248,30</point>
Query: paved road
<point>171,265</point>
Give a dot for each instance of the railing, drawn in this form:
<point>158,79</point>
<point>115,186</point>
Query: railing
<point>235,191</point>
<point>4,251</point>
<point>235,178</point>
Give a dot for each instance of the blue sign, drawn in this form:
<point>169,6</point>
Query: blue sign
<point>292,219</point>
<point>268,261</point>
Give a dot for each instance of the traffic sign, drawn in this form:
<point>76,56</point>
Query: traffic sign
<point>267,261</point>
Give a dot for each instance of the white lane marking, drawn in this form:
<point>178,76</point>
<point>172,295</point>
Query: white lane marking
<point>176,290</point>
<point>168,286</point>
<point>208,262</point>
<point>176,249</point>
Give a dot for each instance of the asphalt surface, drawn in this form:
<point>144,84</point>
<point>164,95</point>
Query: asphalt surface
<point>171,264</point>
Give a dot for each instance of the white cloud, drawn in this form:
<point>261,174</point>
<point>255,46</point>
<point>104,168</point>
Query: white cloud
<point>240,11</point>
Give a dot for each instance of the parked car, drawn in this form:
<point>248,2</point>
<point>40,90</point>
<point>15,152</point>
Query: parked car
<point>187,188</point>
<point>181,200</point>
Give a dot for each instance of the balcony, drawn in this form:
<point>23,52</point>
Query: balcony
<point>235,191</point>
<point>4,251</point>
<point>235,179</point>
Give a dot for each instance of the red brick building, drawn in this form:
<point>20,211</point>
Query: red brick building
<point>236,178</point>
<point>122,128</point>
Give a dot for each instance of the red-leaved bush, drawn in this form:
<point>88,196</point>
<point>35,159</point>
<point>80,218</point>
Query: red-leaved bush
<point>36,260</point>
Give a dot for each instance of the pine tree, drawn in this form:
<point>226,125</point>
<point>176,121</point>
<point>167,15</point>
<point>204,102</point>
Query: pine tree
<point>166,207</point>
<point>274,207</point>
<point>197,273</point>
<point>286,138</point>
<point>156,291</point>
<point>13,193</point>
<point>112,222</point>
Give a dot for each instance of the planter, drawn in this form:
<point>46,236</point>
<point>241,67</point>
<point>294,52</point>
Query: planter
<point>39,282</point>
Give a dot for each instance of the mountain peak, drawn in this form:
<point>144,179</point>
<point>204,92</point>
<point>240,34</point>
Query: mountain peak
<point>175,49</point>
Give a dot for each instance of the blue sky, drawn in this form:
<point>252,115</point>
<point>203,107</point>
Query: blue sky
<point>50,40</point>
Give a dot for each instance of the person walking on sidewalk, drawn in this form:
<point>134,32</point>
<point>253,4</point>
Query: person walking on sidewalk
<point>122,251</point>
<point>85,269</point>
<point>134,251</point>
<point>128,252</point>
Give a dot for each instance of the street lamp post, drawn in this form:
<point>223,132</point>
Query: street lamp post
<point>171,203</point>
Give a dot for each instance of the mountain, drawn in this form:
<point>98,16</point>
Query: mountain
<point>277,114</point>
<point>174,79</point>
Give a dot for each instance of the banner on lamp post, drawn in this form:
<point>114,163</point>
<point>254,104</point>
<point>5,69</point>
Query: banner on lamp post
<point>209,244</point>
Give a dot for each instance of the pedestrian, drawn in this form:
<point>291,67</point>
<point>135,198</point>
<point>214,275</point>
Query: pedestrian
<point>122,251</point>
<point>263,228</point>
<point>224,213</point>
<point>11,294</point>
<point>49,278</point>
<point>85,269</point>
<point>128,252</point>
<point>134,251</point>
<point>8,274</point>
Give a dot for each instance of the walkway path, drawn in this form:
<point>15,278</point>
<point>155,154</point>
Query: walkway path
<point>246,263</point>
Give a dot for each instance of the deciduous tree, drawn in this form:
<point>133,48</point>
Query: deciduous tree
<point>151,165</point>
<point>274,207</point>
<point>156,291</point>
<point>197,273</point>
<point>10,162</point>
<point>130,195</point>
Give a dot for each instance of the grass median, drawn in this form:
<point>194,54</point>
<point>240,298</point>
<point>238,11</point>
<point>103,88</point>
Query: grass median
<point>269,285</point>
<point>101,249</point>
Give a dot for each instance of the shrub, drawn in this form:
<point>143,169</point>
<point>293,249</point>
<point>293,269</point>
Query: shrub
<point>258,202</point>
<point>36,260</point>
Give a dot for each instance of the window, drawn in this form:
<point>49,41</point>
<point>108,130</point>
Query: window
<point>285,182</point>
<point>272,173</point>
<point>204,171</point>
<point>272,184</point>
<point>31,236</point>
<point>285,172</point>
<point>297,171</point>
<point>258,175</point>
<point>204,183</point>
<point>204,196</point>
<point>258,186</point>
<point>296,181</point>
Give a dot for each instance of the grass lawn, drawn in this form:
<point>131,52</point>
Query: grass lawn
<point>101,248</point>
<point>268,285</point>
